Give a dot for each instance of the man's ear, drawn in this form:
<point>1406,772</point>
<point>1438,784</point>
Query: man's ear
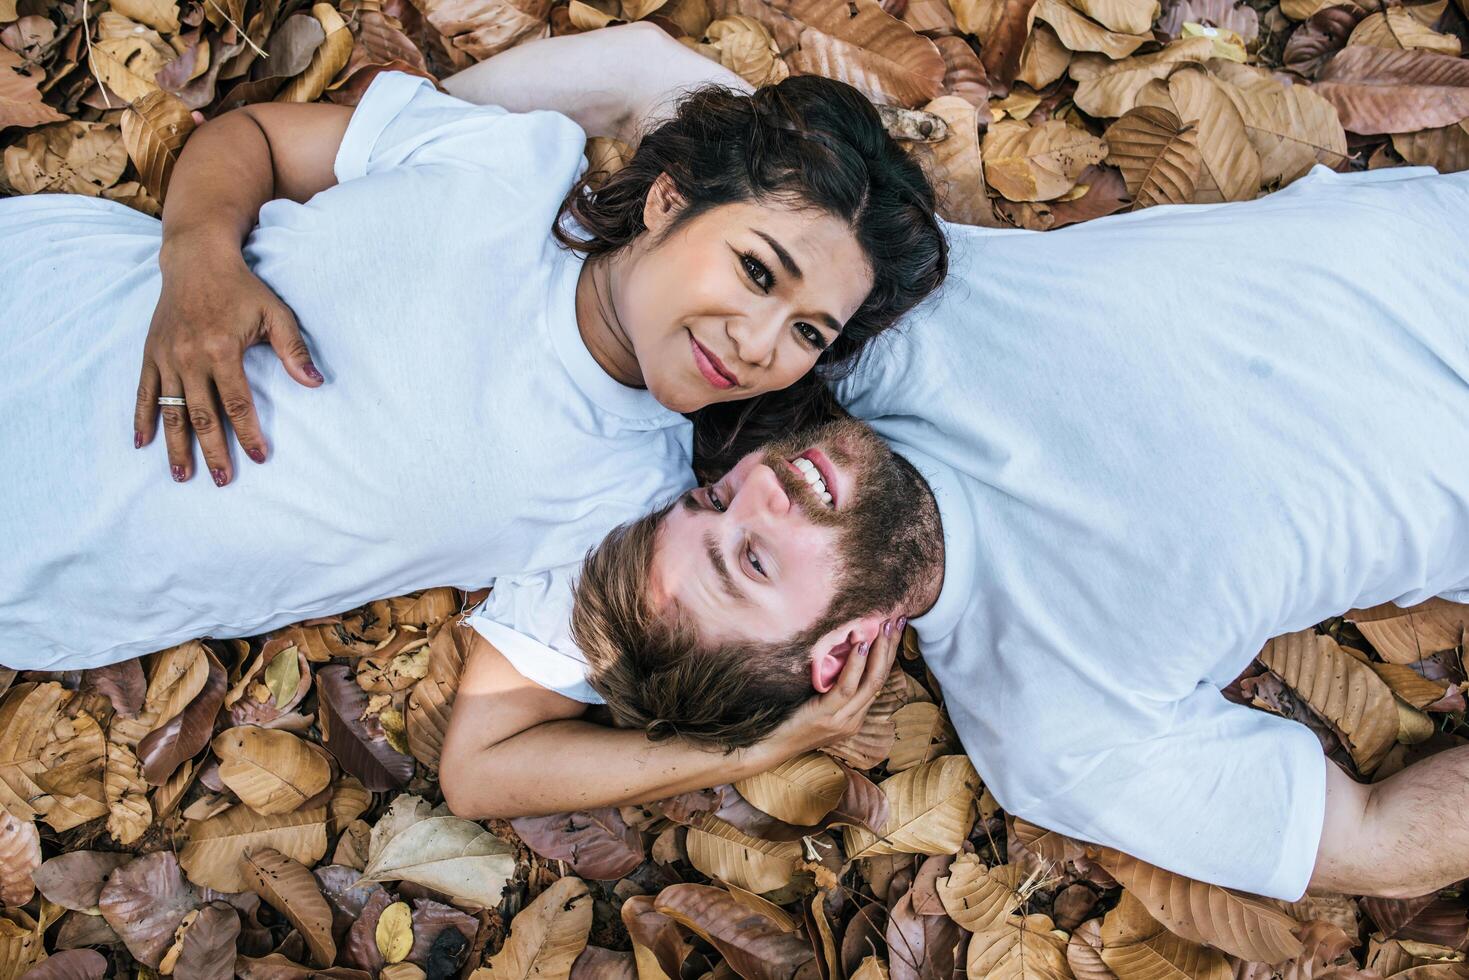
<point>831,652</point>
<point>662,204</point>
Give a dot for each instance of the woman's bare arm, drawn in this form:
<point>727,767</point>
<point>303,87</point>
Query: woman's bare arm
<point>515,749</point>
<point>612,82</point>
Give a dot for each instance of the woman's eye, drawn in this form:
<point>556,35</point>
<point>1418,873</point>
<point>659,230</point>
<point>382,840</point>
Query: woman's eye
<point>757,272</point>
<point>714,501</point>
<point>811,335</point>
<point>754,561</point>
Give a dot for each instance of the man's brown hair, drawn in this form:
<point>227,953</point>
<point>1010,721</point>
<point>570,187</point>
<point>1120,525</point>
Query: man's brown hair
<point>651,668</point>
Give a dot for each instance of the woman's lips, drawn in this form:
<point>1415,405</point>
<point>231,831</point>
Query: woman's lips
<point>710,367</point>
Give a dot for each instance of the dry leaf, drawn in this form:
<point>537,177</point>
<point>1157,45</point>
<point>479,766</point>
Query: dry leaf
<point>1037,163</point>
<point>144,902</point>
<point>720,851</point>
<point>394,932</point>
<point>212,856</point>
<point>800,790</point>
<point>1123,16</point>
<point>289,888</point>
<point>751,943</point>
<point>955,168</point>
<point>980,898</point>
<point>20,100</point>
<point>1376,90</point>
<point>931,811</point>
<point>922,735</point>
<point>1407,635</point>
<point>74,880</point>
<point>329,59</point>
<point>270,771</point>
<point>546,937</point>
<point>1134,944</point>
<point>184,734</point>
<point>1157,154</point>
<point>453,856</point>
<point>1230,168</point>
<point>1109,88</point>
<point>745,47</point>
<point>1341,689</point>
<point>1396,29</point>
<point>1445,148</point>
<point>355,740</point>
<point>856,42</point>
<point>1291,127</point>
<point>1080,33</point>
<point>596,843</point>
<point>1027,948</point>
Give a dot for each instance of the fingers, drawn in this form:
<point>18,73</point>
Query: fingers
<point>204,420</point>
<point>239,408</point>
<point>176,435</point>
<point>286,340</point>
<point>145,411</point>
<point>884,652</point>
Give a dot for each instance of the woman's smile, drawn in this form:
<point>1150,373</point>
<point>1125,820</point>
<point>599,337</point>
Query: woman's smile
<point>711,367</point>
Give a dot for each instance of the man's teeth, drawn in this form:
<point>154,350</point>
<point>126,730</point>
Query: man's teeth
<point>813,477</point>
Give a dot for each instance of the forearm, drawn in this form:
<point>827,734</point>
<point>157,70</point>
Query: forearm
<point>563,766</point>
<point>222,179</point>
<point>611,82</point>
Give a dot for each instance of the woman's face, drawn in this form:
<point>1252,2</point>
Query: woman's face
<point>737,301</point>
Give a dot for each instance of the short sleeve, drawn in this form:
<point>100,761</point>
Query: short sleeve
<point>1203,787</point>
<point>402,120</point>
<point>528,619</point>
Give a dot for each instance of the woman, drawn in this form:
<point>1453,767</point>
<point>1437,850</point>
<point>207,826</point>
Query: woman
<point>496,401</point>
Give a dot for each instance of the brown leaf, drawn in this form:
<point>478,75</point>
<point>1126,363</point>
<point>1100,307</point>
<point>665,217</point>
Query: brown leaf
<point>481,29</point>
<point>20,856</point>
<point>153,130</point>
<point>1376,90</point>
<point>211,857</point>
<point>430,919</point>
<point>1396,29</point>
<point>954,165</point>
<point>964,74</point>
<point>1084,953</point>
<point>74,880</point>
<point>144,902</point>
<point>1044,59</point>
<point>594,843</point>
<point>71,964</point>
<point>980,898</point>
<point>432,699</point>
<point>720,851</point>
<point>208,950</point>
<point>1134,944</point>
<point>1124,16</point>
<point>1324,34</point>
<point>1105,193</point>
<point>1230,169</point>
<point>1019,949</point>
<point>871,745</point>
<point>1227,14</point>
<point>1342,689</point>
<point>1080,33</point>
<point>754,945</point>
<point>1157,154</point>
<point>1037,163</point>
<point>277,967</point>
<point>597,963</point>
<point>800,790</point>
<point>122,683</point>
<point>856,42</point>
<point>863,937</point>
<point>546,937</point>
<point>289,888</point>
<point>1406,636</point>
<point>1241,925</point>
<point>1427,918</point>
<point>330,58</point>
<point>362,752</point>
<point>920,946</point>
<point>1002,27</point>
<point>657,941</point>
<point>1291,127</point>
<point>931,810</point>
<point>1110,88</point>
<point>271,772</point>
<point>183,735</point>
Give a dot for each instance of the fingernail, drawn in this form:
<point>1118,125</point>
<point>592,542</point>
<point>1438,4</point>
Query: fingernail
<point>312,373</point>
<point>256,454</point>
<point>178,473</point>
<point>137,440</point>
<point>862,649</point>
<point>902,623</point>
<point>887,627</point>
<point>219,477</point>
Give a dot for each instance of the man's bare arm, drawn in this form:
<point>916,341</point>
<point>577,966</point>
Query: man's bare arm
<point>515,749</point>
<point>611,82</point>
<point>1403,837</point>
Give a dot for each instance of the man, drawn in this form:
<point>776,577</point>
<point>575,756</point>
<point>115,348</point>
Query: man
<point>1151,452</point>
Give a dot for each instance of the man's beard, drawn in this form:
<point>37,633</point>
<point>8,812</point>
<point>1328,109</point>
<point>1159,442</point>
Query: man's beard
<point>888,532</point>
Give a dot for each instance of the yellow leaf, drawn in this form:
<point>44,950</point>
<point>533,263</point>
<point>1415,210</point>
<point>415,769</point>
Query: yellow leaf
<point>395,932</point>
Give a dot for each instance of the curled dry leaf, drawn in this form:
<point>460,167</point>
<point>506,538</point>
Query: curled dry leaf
<point>1002,27</point>
<point>361,750</point>
<point>1080,33</point>
<point>546,937</point>
<point>1157,154</point>
<point>144,902</point>
<point>720,851</point>
<point>208,948</point>
<point>977,897</point>
<point>212,856</point>
<point>1445,148</point>
<point>153,130</point>
<point>598,963</point>
<point>1291,128</point>
<point>931,808</point>
<point>1135,944</point>
<point>183,735</point>
<point>660,947</point>
<point>857,42</point>
<point>289,888</point>
<point>1044,60</point>
<point>122,683</point>
<point>1242,925</point>
<point>595,843</point>
<point>964,74</point>
<point>801,790</point>
<point>1324,34</point>
<point>922,735</point>
<point>20,856</point>
<point>270,771</point>
<point>955,168</point>
<point>1027,948</point>
<point>330,58</point>
<point>1377,90</point>
<point>1342,689</point>
<point>431,700</point>
<point>745,47</point>
<point>1109,88</point>
<point>67,158</point>
<point>1408,635</point>
<point>1428,919</point>
<point>1037,163</point>
<point>1123,16</point>
<point>751,943</point>
<point>871,745</point>
<point>1396,29</point>
<point>74,880</point>
<point>454,856</point>
<point>20,99</point>
<point>1230,169</point>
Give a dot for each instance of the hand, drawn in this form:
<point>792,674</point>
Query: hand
<point>840,712</point>
<point>212,307</point>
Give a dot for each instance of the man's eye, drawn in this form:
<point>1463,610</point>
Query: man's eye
<point>714,500</point>
<point>755,562</point>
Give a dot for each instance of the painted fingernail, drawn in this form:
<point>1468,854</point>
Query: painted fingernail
<point>312,373</point>
<point>256,454</point>
<point>902,623</point>
<point>887,627</point>
<point>862,649</point>
<point>178,473</point>
<point>137,440</point>
<point>220,479</point>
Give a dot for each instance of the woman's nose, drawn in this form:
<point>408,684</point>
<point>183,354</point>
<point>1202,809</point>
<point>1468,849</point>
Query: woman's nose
<point>756,337</point>
<point>761,496</point>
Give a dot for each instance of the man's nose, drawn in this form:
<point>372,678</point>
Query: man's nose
<point>755,337</point>
<point>761,496</point>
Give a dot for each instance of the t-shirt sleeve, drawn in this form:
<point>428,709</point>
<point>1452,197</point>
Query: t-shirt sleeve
<point>528,619</point>
<point>1203,787</point>
<point>402,120</point>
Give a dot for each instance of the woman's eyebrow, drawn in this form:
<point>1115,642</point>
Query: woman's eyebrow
<point>780,253</point>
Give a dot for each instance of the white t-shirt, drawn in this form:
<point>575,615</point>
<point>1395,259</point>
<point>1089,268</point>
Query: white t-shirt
<point>1156,441</point>
<point>465,435</point>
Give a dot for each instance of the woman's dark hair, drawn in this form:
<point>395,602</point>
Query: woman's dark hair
<point>807,139</point>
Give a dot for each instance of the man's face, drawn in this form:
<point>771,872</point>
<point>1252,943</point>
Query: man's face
<point>760,555</point>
